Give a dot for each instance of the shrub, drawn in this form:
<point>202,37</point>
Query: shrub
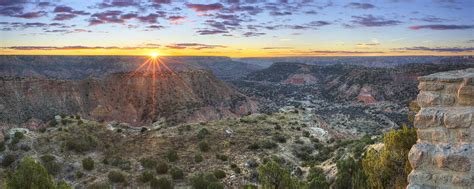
<point>63,185</point>
<point>49,162</point>
<point>220,174</point>
<point>204,146</point>
<point>88,163</point>
<point>279,138</point>
<point>146,176</point>
<point>172,155</point>
<point>161,183</point>
<point>162,168</point>
<point>267,144</point>
<point>81,143</point>
<point>148,163</point>
<point>222,157</point>
<point>200,181</point>
<point>78,117</point>
<point>80,122</point>
<point>306,133</point>
<point>8,160</point>
<point>176,173</point>
<point>202,133</point>
<point>390,166</point>
<point>19,135</point>
<point>30,174</point>
<point>2,146</point>
<point>235,168</point>
<point>52,123</point>
<point>198,158</point>
<point>215,185</point>
<point>271,175</point>
<point>317,178</point>
<point>100,185</point>
<point>277,127</point>
<point>143,130</point>
<point>116,176</point>
<point>253,146</point>
<point>25,147</point>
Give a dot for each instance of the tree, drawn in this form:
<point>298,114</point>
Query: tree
<point>317,179</point>
<point>30,174</point>
<point>389,167</point>
<point>272,176</point>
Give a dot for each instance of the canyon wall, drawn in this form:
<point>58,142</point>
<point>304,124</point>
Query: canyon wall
<point>443,155</point>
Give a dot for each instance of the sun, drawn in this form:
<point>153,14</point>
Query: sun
<point>154,55</point>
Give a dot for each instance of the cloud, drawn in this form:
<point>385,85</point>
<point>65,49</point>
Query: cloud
<point>360,5</point>
<point>17,11</point>
<point>205,7</point>
<point>75,47</point>
<point>345,52</point>
<point>66,9</point>
<point>437,49</point>
<point>442,27</point>
<point>368,44</point>
<point>372,21</point>
<point>194,46</point>
<point>117,3</point>
<point>274,48</point>
<point>211,31</point>
<point>282,13</point>
<point>106,17</point>
<point>253,34</point>
<point>30,15</point>
<point>61,17</point>
<point>431,19</point>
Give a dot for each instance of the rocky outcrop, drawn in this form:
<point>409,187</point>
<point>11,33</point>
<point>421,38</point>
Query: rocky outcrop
<point>443,155</point>
<point>135,98</point>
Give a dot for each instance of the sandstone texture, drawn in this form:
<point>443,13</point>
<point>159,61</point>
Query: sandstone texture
<point>443,155</point>
<point>135,98</point>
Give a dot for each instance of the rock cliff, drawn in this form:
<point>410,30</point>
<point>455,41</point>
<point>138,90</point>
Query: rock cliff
<point>188,96</point>
<point>443,155</point>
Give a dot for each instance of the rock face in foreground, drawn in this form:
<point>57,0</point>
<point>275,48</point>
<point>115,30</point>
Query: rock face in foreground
<point>443,155</point>
<point>135,98</point>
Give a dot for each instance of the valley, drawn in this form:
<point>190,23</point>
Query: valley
<point>196,123</point>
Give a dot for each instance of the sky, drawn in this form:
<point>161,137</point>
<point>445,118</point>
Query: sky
<point>237,28</point>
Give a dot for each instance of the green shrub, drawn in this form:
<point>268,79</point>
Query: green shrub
<point>198,158</point>
<point>161,183</point>
<point>100,185</point>
<point>271,175</point>
<point>118,162</point>
<point>306,133</point>
<point>235,168</point>
<point>202,133</point>
<point>81,143</point>
<point>63,185</point>
<point>8,160</point>
<point>49,162</point>
<point>222,157</point>
<point>254,146</point>
<point>199,181</point>
<point>116,176</point>
<point>390,167</point>
<point>279,138</point>
<point>215,185</point>
<point>88,163</point>
<point>220,174</point>
<point>52,123</point>
<point>78,117</point>
<point>267,144</point>
<point>148,163</point>
<point>251,186</point>
<point>317,178</point>
<point>30,174</point>
<point>162,168</point>
<point>2,146</point>
<point>19,135</point>
<point>146,176</point>
<point>172,155</point>
<point>176,173</point>
<point>204,146</point>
